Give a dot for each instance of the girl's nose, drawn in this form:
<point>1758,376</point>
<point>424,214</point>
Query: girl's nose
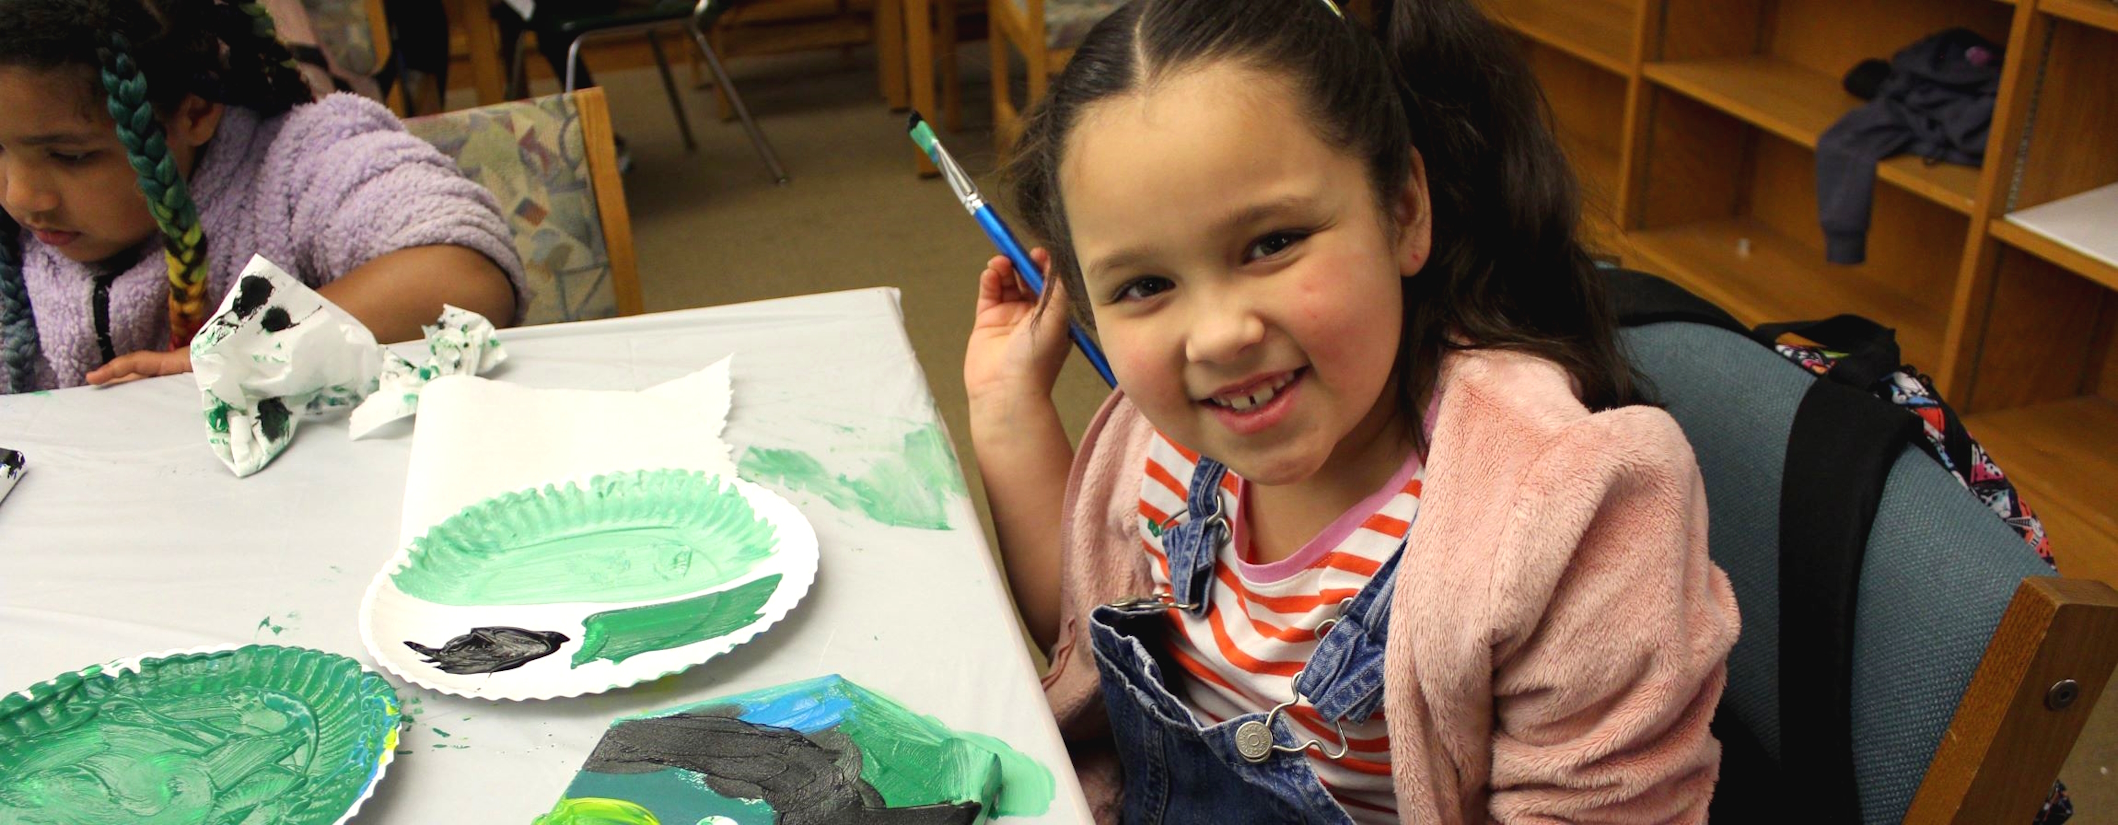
<point>1223,331</point>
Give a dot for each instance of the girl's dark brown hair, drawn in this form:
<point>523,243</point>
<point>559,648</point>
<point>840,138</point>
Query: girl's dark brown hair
<point>1506,270</point>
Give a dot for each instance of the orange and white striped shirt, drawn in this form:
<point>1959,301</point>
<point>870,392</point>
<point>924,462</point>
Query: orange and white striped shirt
<point>1260,623</point>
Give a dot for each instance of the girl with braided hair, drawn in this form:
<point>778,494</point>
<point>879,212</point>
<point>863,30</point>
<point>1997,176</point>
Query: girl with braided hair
<point>148,148</point>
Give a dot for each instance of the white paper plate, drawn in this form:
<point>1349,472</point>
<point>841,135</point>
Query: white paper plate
<point>390,616</point>
<point>300,671</point>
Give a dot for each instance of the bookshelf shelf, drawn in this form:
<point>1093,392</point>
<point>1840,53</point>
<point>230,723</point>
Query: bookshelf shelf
<point>1779,279</point>
<point>1799,104</point>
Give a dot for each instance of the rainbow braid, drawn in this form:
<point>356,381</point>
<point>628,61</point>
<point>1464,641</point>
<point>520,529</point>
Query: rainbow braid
<point>168,198</point>
<point>18,327</point>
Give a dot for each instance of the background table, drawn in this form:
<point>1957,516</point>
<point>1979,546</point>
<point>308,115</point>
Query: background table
<point>127,536</point>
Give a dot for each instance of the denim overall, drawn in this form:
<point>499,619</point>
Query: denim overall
<point>1250,768</point>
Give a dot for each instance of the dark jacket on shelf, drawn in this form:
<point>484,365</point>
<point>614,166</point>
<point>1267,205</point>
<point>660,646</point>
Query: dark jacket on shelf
<point>1937,103</point>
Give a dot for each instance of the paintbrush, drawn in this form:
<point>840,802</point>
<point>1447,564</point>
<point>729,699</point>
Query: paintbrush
<point>997,230</point>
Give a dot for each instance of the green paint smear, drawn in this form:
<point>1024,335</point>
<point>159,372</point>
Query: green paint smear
<point>627,537</point>
<point>910,489</point>
<point>257,734</point>
<point>618,635</point>
<point>595,811</point>
<point>671,795</point>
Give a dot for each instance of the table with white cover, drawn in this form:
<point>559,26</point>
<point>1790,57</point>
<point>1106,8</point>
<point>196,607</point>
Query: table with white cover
<point>126,536</point>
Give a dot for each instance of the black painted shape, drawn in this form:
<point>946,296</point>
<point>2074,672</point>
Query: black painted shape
<point>276,319</point>
<point>273,417</point>
<point>251,294</point>
<point>808,780</point>
<point>491,649</point>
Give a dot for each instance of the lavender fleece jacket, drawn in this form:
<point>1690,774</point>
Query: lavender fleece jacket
<point>1558,637</point>
<point>319,191</point>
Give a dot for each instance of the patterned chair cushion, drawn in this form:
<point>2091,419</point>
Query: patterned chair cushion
<point>532,155</point>
<point>1066,22</point>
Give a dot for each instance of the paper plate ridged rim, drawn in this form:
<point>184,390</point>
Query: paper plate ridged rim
<point>363,726</point>
<point>794,560</point>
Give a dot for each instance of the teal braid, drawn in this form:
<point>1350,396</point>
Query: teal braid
<point>168,198</point>
<point>18,326</point>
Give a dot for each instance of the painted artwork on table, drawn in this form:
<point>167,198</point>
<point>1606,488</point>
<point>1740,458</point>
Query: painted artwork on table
<point>580,588</point>
<point>817,752</point>
<point>911,482</point>
<point>224,735</point>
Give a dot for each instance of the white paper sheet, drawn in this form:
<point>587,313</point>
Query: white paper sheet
<point>477,438</point>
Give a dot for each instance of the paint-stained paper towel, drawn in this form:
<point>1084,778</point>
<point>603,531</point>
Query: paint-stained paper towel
<point>476,438</point>
<point>462,343</point>
<point>277,351</point>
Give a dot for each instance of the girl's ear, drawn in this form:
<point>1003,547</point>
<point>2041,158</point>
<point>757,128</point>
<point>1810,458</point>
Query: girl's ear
<point>1413,219</point>
<point>194,122</point>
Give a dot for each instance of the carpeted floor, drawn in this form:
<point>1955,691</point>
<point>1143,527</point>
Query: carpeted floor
<point>711,228</point>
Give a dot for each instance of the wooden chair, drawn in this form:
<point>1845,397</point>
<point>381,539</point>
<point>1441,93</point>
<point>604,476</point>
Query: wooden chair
<point>1972,669</point>
<point>551,163</point>
<point>1045,33</point>
<point>348,43</point>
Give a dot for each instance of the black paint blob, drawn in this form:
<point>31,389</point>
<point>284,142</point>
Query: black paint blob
<point>251,294</point>
<point>491,649</point>
<point>276,319</point>
<point>272,418</point>
<point>808,780</point>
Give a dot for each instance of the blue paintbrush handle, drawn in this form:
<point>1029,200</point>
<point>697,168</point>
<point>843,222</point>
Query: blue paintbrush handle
<point>1005,240</point>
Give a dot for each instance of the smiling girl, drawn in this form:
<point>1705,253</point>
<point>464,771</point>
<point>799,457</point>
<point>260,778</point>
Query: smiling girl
<point>1371,530</point>
<point>148,148</point>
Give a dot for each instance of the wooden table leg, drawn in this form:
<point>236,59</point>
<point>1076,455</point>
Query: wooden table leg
<point>477,22</point>
<point>890,52</point>
<point>919,59</point>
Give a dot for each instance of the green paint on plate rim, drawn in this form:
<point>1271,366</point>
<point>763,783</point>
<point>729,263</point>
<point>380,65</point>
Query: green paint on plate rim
<point>625,537</point>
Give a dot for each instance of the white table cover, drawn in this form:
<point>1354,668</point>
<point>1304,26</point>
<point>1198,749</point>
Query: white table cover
<point>126,536</point>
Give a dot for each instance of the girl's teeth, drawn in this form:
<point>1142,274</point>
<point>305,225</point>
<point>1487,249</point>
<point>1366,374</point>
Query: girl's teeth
<point>1243,403</point>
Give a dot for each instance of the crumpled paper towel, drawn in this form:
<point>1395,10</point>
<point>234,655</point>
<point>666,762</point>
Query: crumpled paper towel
<point>276,351</point>
<point>463,343</point>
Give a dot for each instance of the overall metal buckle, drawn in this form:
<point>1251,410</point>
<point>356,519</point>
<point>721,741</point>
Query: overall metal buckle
<point>1253,739</point>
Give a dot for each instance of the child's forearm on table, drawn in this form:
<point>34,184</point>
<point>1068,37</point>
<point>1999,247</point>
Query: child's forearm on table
<point>1024,456</point>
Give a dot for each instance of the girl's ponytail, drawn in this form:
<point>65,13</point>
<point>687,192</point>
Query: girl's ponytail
<point>262,73</point>
<point>168,198</point>
<point>18,326</point>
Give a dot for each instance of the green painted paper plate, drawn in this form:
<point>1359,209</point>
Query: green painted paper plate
<point>583,587</point>
<point>256,733</point>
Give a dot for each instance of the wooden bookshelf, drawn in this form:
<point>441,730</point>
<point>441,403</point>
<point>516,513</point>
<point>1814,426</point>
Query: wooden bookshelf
<point>2101,14</point>
<point>1799,104</point>
<point>2063,457</point>
<point>1777,279</point>
<point>1697,121</point>
<point>1598,31</point>
<point>2035,243</point>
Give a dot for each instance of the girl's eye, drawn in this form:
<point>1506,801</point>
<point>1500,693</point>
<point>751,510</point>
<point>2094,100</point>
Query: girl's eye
<point>1140,289</point>
<point>1272,244</point>
<point>70,158</point>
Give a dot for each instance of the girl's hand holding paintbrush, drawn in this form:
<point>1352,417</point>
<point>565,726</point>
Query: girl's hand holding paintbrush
<point>1013,360</point>
<point>1016,350</point>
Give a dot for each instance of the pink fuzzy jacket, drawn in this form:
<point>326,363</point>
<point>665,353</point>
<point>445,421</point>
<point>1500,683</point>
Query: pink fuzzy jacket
<point>1557,638</point>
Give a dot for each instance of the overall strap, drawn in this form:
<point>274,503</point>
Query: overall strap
<point>1192,544</point>
<point>1340,679</point>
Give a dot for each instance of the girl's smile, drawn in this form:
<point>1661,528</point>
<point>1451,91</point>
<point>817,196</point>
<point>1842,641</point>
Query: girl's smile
<point>1243,276</point>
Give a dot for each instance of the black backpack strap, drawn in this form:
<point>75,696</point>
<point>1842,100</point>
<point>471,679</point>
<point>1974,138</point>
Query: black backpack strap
<point>1640,299</point>
<point>1839,454</point>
